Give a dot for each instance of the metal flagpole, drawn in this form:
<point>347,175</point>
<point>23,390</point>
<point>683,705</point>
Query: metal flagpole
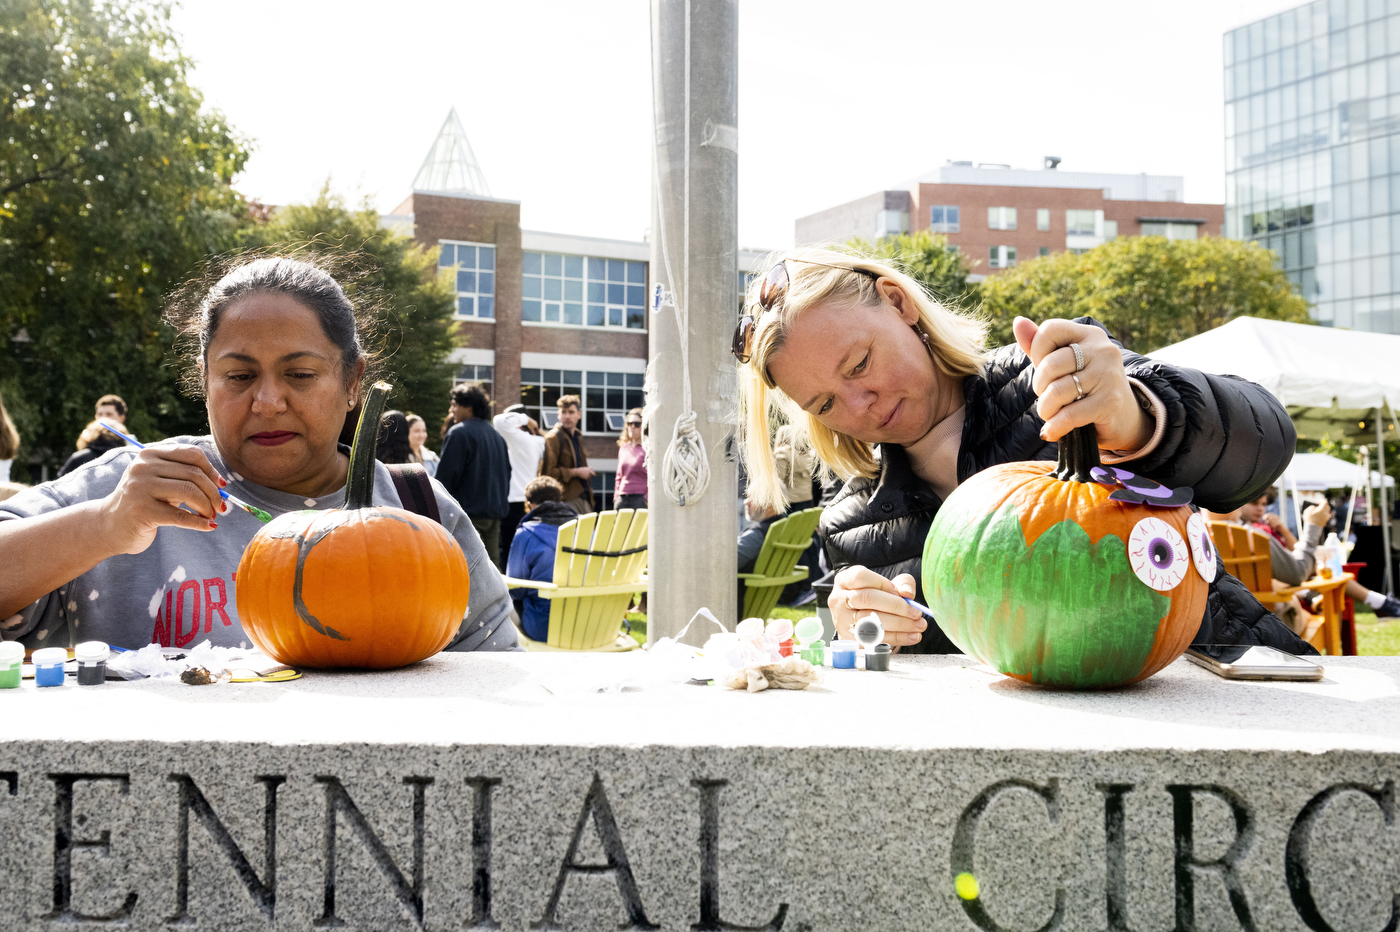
<point>691,377</point>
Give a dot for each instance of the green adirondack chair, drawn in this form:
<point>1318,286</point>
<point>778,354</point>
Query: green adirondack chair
<point>776,565</point>
<point>599,563</point>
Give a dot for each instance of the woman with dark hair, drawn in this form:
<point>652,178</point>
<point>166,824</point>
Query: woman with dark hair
<point>423,455</point>
<point>393,440</point>
<point>141,548</point>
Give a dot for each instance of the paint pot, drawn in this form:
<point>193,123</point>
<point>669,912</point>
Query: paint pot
<point>814,653</point>
<point>785,648</point>
<point>92,662</point>
<point>843,655</point>
<point>878,659</point>
<point>48,666</point>
<point>11,660</point>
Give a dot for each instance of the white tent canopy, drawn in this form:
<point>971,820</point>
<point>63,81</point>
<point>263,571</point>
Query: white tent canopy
<point>1316,472</point>
<point>1304,366</point>
<point>1345,383</point>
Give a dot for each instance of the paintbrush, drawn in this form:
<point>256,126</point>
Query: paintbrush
<point>253,510</point>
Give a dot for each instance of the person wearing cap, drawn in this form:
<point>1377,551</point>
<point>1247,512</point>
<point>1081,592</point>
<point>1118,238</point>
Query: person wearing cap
<point>525,446</point>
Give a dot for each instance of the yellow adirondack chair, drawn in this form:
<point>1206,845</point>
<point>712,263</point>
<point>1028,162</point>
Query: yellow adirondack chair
<point>776,565</point>
<point>598,564</point>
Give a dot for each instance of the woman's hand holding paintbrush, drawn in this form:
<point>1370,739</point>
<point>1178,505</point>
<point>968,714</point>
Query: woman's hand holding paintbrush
<point>161,479</point>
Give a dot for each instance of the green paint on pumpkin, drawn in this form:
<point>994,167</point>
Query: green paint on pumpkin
<point>1061,612</point>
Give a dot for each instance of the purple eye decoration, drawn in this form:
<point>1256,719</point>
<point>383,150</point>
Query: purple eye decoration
<point>1140,490</point>
<point>1158,554</point>
<point>1202,547</point>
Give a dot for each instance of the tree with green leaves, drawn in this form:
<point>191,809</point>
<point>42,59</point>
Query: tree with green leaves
<point>390,270</point>
<point>929,260</point>
<point>1148,291</point>
<point>114,184</point>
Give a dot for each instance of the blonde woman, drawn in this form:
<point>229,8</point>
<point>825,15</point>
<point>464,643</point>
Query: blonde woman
<point>9,442</point>
<point>631,489</point>
<point>417,440</point>
<point>898,396</point>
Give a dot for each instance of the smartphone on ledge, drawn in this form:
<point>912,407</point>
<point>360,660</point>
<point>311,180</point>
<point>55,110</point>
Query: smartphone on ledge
<point>1255,663</point>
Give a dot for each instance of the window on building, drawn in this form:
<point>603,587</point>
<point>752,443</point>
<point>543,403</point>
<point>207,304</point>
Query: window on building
<point>609,397</point>
<point>1110,230</point>
<point>1079,222</point>
<point>891,223</point>
<point>603,484</point>
<point>476,375</point>
<point>943,218</point>
<point>744,280</point>
<point>1001,218</point>
<point>1044,251</point>
<point>1171,231</point>
<point>540,390</point>
<point>1042,219</point>
<point>1002,257</point>
<point>473,266</point>
<point>583,291</point>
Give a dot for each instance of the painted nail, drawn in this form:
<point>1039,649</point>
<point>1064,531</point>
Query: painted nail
<point>223,507</point>
<point>222,482</point>
<point>212,525</point>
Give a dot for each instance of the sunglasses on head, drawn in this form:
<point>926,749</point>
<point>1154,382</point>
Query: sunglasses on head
<point>774,287</point>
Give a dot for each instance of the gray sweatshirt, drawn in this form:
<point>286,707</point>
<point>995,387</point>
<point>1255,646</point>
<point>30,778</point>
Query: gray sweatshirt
<point>181,589</point>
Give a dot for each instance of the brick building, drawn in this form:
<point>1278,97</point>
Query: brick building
<point>998,215</point>
<point>539,314</point>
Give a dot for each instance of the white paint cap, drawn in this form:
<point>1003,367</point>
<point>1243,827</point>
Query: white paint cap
<point>92,652</point>
<point>11,653</point>
<point>48,656</point>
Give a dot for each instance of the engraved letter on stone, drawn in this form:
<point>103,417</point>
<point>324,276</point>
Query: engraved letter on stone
<point>64,843</point>
<point>481,853</point>
<point>1188,865</point>
<point>263,891</point>
<point>709,867</point>
<point>617,867</point>
<point>1295,857</point>
<point>965,843</point>
<point>1115,855</point>
<point>339,801</point>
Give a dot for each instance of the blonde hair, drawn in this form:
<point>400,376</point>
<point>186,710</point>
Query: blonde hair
<point>821,276</point>
<point>95,432</point>
<point>9,436</point>
<point>622,440</point>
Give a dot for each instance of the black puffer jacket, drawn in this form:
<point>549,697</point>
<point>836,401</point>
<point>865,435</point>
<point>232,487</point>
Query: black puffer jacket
<point>1226,438</point>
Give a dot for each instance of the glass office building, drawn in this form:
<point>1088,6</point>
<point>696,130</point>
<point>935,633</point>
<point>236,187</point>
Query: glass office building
<point>1312,153</point>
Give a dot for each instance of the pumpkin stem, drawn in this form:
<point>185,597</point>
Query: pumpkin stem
<point>1079,453</point>
<point>359,484</point>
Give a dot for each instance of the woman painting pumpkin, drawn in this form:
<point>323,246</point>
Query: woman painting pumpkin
<point>899,397</point>
<point>139,547</point>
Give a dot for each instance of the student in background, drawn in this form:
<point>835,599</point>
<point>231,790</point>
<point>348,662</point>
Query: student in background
<point>532,551</point>
<point>417,440</point>
<point>564,460</point>
<point>526,447</point>
<point>475,466</point>
<point>393,445</point>
<point>631,489</point>
<point>94,441</point>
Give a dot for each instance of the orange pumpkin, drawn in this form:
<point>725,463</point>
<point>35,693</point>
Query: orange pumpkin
<point>1038,570</point>
<point>358,586</point>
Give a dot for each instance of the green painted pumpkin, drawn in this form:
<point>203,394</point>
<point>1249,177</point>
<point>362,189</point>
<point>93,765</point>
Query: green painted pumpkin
<point>1033,569</point>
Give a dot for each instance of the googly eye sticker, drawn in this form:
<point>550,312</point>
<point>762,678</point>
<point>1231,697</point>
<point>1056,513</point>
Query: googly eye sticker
<point>1202,547</point>
<point>1158,554</point>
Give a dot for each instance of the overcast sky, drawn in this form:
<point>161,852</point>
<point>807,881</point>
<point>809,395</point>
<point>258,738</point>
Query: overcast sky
<point>836,99</point>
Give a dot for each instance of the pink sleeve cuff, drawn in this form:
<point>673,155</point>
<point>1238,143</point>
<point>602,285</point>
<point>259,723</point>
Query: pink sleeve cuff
<point>1152,405</point>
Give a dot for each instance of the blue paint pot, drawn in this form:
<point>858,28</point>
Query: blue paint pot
<point>843,655</point>
<point>48,666</point>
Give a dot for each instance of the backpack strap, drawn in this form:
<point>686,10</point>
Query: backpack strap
<point>415,489</point>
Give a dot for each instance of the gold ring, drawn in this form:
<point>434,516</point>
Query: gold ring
<point>1078,387</point>
<point>1078,357</point>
